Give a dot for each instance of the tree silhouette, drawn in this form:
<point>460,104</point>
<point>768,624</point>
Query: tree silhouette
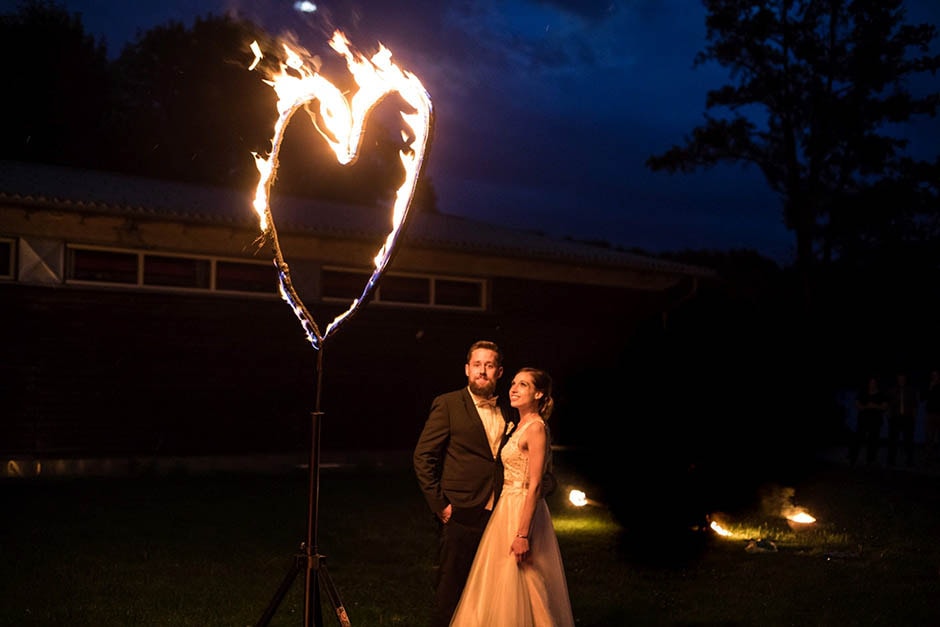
<point>178,104</point>
<point>193,111</point>
<point>816,85</point>
<point>187,107</point>
<point>57,77</point>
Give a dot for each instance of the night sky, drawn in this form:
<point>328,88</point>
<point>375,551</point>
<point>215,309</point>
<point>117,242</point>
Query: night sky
<point>546,111</point>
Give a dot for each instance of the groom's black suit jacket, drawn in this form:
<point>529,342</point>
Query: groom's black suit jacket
<point>453,460</point>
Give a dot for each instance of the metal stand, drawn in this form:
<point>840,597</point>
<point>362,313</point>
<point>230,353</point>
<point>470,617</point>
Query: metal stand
<point>309,559</point>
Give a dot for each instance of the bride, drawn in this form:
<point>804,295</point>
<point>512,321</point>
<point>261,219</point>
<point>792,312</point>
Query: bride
<point>518,578</point>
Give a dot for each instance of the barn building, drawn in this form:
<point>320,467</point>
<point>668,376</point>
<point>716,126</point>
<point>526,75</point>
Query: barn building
<point>142,317</point>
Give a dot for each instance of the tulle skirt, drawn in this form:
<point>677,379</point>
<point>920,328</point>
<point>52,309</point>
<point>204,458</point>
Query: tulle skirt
<point>501,593</point>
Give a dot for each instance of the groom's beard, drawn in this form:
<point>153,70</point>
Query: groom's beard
<point>483,387</point>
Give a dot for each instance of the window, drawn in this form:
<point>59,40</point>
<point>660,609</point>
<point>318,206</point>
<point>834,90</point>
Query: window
<point>177,271</point>
<point>405,289</point>
<point>102,266</point>
<point>6,258</point>
<point>152,270</point>
<point>343,284</point>
<point>454,293</point>
<point>235,276</point>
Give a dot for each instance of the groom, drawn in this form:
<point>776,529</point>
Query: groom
<point>457,465</point>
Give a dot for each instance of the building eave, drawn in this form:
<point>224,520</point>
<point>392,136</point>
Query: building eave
<point>39,187</point>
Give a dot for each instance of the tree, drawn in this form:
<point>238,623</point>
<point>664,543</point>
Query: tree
<point>58,84</point>
<point>187,107</point>
<point>178,104</point>
<point>816,85</point>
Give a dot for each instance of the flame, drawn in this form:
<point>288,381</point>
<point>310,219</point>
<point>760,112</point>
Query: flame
<point>719,529</point>
<point>801,517</point>
<point>340,122</point>
<point>578,498</point>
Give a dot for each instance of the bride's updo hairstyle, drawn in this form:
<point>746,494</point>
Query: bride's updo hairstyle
<point>543,384</point>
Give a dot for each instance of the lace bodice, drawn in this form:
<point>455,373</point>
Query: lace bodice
<point>499,591</point>
<point>516,461</point>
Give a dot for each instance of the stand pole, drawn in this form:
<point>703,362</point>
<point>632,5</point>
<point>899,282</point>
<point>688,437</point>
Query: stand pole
<point>312,613</point>
<point>309,560</point>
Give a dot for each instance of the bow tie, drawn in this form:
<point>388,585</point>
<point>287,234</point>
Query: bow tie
<point>487,402</point>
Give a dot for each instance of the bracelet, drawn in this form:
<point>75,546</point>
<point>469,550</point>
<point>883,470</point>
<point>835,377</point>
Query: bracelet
<point>519,535</point>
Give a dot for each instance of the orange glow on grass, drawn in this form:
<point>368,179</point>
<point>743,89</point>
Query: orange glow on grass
<point>719,529</point>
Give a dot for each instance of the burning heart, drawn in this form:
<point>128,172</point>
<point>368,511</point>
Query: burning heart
<point>341,122</point>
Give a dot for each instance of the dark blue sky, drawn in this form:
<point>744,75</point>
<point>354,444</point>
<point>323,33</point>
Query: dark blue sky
<point>545,111</point>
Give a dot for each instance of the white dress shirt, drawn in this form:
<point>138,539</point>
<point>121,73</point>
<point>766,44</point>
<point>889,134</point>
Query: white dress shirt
<point>493,423</point>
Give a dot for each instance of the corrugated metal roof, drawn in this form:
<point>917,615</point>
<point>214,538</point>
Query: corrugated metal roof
<point>103,192</point>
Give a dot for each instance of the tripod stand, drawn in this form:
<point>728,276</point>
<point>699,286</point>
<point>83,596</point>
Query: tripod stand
<point>309,559</point>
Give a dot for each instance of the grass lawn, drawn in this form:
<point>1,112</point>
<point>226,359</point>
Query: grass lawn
<point>211,550</point>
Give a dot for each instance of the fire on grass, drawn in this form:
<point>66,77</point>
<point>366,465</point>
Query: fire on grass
<point>798,521</point>
<point>777,504</point>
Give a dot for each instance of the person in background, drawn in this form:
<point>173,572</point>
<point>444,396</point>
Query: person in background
<point>903,403</point>
<point>871,404</point>
<point>518,577</point>
<point>456,461</point>
<point>932,418</point>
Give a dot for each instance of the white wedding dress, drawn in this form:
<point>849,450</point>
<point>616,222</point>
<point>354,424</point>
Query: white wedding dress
<point>500,592</point>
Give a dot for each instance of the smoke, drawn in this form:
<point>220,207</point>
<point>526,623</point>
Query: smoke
<point>778,501</point>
